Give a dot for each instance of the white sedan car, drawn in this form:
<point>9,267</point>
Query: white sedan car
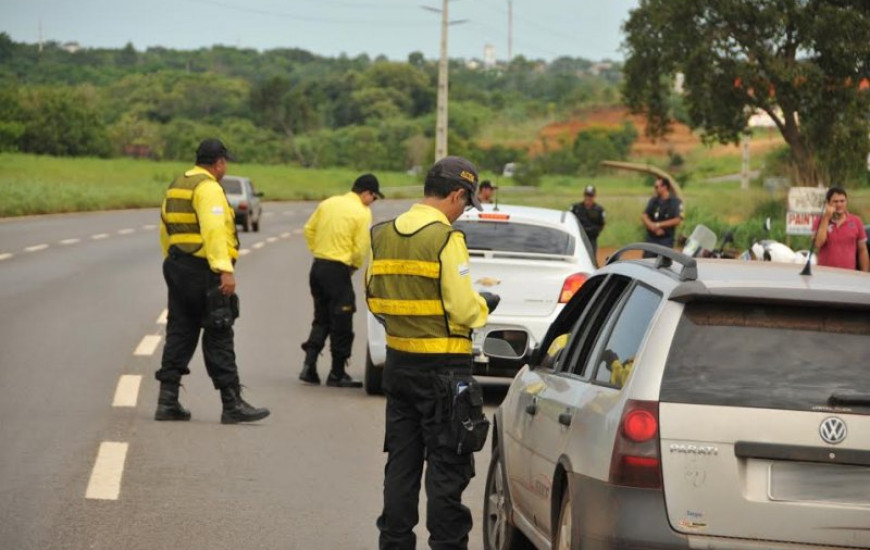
<point>535,259</point>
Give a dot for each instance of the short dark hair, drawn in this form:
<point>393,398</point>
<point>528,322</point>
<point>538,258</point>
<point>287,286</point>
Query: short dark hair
<point>440,187</point>
<point>835,190</point>
<point>666,182</point>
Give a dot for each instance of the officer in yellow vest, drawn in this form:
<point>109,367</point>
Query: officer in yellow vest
<point>200,247</point>
<point>337,234</point>
<point>418,285</point>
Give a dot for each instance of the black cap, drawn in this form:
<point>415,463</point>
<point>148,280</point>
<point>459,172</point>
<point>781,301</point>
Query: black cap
<point>590,190</point>
<point>459,170</point>
<point>368,182</point>
<point>210,150</point>
<point>486,184</point>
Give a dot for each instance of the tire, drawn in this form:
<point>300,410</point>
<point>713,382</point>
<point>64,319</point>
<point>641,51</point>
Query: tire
<point>498,531</point>
<point>256,224</point>
<point>564,539</point>
<point>374,375</point>
<point>246,226</point>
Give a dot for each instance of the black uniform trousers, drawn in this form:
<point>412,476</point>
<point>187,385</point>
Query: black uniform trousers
<point>188,278</point>
<point>417,415</point>
<point>334,306</point>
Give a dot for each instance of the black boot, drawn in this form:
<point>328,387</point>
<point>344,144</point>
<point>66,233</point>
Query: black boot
<point>309,367</point>
<point>237,409</point>
<point>168,407</point>
<point>338,377</point>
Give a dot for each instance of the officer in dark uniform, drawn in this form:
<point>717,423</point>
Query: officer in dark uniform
<point>200,247</point>
<point>664,212</point>
<point>591,216</point>
<point>419,286</point>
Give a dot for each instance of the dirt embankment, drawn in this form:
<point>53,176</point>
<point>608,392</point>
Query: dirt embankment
<point>681,140</point>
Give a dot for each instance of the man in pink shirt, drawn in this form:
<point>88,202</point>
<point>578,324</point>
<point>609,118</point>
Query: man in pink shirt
<point>840,236</point>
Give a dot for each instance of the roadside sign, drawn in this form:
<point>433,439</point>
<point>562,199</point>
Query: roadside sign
<point>805,205</point>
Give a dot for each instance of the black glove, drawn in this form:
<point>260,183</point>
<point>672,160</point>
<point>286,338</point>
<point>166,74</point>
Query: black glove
<point>492,300</point>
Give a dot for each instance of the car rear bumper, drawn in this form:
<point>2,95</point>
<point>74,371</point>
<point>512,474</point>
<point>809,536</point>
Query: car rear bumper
<point>610,517</point>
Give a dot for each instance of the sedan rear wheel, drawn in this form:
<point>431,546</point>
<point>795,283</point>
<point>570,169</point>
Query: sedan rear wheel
<point>565,528</point>
<point>498,531</point>
<point>374,376</point>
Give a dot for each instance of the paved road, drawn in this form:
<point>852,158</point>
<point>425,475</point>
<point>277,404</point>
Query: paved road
<point>84,466</point>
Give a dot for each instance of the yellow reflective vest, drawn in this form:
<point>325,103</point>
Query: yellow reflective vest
<point>198,220</point>
<point>418,283</point>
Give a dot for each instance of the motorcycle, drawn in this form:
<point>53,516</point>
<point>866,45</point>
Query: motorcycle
<point>771,250</point>
<point>702,244</point>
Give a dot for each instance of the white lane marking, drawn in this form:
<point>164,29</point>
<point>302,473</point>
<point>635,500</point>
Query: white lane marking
<point>149,227</point>
<point>5,256</point>
<point>105,482</point>
<point>268,214</point>
<point>99,236</point>
<point>259,245</point>
<point>163,317</point>
<point>271,239</point>
<point>70,241</point>
<point>297,231</point>
<point>289,212</point>
<point>148,344</point>
<point>244,252</point>
<point>285,235</point>
<point>127,391</point>
<point>126,231</point>
<point>36,248</point>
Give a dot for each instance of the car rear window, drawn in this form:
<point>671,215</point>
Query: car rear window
<point>232,187</point>
<point>768,356</point>
<point>515,237</point>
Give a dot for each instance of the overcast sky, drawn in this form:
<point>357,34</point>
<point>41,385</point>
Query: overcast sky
<point>542,29</point>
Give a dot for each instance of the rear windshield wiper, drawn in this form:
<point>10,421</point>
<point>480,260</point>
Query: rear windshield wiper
<point>855,399</point>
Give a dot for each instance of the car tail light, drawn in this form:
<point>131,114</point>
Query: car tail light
<point>243,205</point>
<point>571,286</point>
<point>636,460</point>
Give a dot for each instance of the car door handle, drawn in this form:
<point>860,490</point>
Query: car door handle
<point>532,408</point>
<point>565,418</point>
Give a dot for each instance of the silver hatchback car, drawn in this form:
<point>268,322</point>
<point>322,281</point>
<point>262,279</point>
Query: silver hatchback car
<point>245,201</point>
<point>682,403</point>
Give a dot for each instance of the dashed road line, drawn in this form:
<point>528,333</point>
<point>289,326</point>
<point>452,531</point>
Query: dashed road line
<point>36,248</point>
<point>99,236</point>
<point>5,256</point>
<point>285,235</point>
<point>105,482</point>
<point>70,241</point>
<point>259,245</point>
<point>127,391</point>
<point>244,252</point>
<point>163,317</point>
<point>297,231</point>
<point>126,231</point>
<point>271,239</point>
<point>149,227</point>
<point>148,344</point>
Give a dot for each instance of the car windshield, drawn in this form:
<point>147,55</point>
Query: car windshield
<point>515,237</point>
<point>767,356</point>
<point>232,187</point>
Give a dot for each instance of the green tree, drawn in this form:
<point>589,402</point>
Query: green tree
<point>63,122</point>
<point>800,61</point>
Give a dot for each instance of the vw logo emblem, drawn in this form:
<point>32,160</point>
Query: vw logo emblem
<point>833,430</point>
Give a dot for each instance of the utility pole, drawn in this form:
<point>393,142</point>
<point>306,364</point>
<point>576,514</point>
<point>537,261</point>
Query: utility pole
<point>510,30</point>
<point>441,115</point>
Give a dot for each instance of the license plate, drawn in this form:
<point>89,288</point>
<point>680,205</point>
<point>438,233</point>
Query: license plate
<point>809,482</point>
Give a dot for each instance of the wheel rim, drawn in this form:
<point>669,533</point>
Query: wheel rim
<point>496,516</point>
<point>565,526</point>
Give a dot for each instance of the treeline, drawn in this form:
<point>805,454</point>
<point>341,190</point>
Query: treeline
<point>288,105</point>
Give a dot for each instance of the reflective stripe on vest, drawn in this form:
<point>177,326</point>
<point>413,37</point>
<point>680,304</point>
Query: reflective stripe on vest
<point>179,216</point>
<point>405,289</point>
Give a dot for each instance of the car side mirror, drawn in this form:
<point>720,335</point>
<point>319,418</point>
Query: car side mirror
<point>259,194</point>
<point>508,345</point>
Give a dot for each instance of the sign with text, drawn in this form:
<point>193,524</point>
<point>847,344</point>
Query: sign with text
<point>805,205</point>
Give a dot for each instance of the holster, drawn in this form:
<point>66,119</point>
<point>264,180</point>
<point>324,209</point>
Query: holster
<point>467,427</point>
<point>220,310</point>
